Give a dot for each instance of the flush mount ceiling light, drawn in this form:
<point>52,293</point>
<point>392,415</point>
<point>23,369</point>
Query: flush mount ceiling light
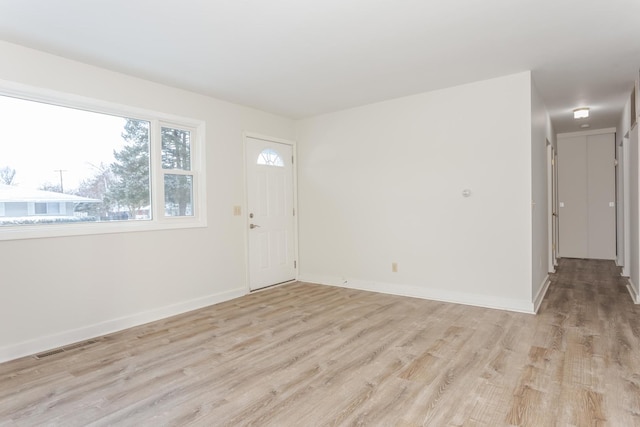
<point>580,113</point>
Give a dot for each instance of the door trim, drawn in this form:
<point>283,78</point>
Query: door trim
<point>244,215</point>
<point>626,212</point>
<point>552,180</point>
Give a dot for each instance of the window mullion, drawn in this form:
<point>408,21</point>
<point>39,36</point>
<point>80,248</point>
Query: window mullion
<point>157,174</point>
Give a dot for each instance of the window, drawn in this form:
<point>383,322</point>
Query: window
<point>270,157</point>
<point>53,208</point>
<point>176,168</point>
<point>71,166</point>
<point>41,208</point>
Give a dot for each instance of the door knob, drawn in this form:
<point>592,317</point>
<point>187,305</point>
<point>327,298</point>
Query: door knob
<point>252,226</point>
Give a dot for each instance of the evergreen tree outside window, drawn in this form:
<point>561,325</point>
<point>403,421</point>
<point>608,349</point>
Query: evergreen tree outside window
<point>178,184</point>
<point>130,190</point>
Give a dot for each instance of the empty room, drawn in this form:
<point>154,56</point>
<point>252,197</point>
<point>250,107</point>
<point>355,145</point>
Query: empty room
<point>306,213</point>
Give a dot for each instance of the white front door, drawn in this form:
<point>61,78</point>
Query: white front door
<point>270,212</point>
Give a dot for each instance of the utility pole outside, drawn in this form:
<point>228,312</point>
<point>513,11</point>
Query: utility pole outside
<point>61,184</point>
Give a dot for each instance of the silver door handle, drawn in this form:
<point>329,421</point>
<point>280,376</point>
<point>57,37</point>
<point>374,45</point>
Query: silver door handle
<point>252,226</point>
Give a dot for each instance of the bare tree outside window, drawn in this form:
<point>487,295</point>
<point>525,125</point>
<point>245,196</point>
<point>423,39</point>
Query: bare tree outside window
<point>7,176</point>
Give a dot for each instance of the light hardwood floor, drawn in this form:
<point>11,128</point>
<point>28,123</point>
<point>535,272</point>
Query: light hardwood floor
<point>311,355</point>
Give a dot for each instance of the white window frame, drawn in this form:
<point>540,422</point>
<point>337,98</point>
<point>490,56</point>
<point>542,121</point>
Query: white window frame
<point>156,119</point>
<point>160,207</point>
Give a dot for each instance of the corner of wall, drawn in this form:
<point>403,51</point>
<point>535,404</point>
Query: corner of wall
<point>541,131</point>
<point>542,291</point>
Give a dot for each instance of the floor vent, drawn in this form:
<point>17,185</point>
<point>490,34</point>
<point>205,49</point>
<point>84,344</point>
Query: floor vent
<point>66,348</point>
<point>48,353</point>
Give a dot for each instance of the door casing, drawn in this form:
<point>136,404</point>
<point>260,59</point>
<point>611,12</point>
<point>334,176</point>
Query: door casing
<point>552,192</point>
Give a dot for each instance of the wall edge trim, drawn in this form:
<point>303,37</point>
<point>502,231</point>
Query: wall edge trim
<point>541,293</point>
<point>484,301</point>
<point>47,342</point>
<point>632,291</point>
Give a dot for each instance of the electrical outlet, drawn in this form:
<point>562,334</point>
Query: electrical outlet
<point>394,267</point>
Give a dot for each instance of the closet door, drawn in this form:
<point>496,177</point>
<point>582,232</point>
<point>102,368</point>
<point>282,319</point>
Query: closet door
<point>572,197</point>
<point>601,195</point>
<point>586,190</point>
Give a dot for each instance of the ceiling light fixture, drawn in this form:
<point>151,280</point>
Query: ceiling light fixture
<point>580,113</point>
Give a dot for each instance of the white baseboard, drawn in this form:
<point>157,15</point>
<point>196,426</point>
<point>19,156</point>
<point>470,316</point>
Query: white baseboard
<point>26,348</point>
<point>632,291</point>
<point>541,293</point>
<point>485,301</point>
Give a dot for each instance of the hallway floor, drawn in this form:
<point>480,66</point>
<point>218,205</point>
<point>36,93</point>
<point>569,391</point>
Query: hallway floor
<point>585,355</point>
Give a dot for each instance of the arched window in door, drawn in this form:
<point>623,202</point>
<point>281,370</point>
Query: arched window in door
<point>269,157</point>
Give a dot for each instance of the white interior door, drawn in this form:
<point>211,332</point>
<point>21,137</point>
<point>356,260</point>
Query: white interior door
<point>586,190</point>
<point>601,151</point>
<point>270,215</point>
<point>572,188</point>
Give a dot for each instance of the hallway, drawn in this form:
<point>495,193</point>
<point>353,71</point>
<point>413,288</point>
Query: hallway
<point>586,348</point>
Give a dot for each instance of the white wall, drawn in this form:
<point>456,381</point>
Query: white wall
<point>59,290</point>
<point>383,183</point>
<point>541,132</point>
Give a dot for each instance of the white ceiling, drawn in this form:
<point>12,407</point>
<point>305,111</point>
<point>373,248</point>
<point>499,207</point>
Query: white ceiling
<point>300,58</point>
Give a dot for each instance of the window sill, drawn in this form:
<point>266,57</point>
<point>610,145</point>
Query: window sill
<point>66,230</point>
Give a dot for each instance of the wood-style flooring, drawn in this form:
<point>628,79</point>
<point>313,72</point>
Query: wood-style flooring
<point>312,355</point>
